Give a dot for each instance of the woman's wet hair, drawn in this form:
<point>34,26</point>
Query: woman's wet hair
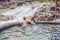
<point>28,23</point>
<point>32,19</point>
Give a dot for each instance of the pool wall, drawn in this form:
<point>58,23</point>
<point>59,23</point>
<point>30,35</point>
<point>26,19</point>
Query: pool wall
<point>9,25</point>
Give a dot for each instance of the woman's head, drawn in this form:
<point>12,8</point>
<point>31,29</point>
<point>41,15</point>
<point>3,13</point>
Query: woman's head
<point>32,19</point>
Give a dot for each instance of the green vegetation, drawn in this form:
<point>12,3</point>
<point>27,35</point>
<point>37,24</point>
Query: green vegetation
<point>47,0</point>
<point>13,6</point>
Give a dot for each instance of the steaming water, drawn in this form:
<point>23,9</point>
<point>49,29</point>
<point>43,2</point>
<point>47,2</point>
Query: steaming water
<point>42,33</point>
<point>22,11</point>
<point>19,11</point>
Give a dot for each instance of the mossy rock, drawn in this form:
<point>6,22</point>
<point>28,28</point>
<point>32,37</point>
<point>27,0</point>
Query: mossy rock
<point>13,6</point>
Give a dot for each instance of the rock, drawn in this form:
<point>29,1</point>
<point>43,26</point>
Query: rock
<point>1,7</point>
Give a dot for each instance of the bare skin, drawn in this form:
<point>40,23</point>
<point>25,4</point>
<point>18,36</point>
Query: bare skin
<point>32,21</point>
<point>24,23</point>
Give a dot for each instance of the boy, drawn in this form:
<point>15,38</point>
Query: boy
<point>24,24</point>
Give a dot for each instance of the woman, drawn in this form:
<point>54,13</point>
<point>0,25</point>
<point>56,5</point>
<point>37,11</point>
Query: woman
<point>33,24</point>
<point>32,20</point>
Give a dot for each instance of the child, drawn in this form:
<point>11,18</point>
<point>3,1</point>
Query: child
<point>24,24</point>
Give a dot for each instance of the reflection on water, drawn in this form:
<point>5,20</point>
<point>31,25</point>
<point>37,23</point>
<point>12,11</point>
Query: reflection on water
<point>44,32</point>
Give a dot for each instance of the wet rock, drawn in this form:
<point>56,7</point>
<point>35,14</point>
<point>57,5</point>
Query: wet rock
<point>1,7</point>
<point>6,18</point>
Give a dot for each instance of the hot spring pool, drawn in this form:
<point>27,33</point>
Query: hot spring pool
<point>44,32</point>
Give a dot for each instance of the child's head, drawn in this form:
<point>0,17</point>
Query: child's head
<point>24,18</point>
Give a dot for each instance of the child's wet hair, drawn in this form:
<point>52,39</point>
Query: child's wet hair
<point>24,18</point>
